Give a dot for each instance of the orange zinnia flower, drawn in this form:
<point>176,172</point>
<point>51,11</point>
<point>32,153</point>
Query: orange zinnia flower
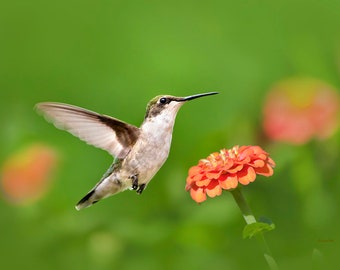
<point>226,169</point>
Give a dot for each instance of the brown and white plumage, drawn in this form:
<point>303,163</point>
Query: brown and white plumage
<point>102,131</point>
<point>138,152</point>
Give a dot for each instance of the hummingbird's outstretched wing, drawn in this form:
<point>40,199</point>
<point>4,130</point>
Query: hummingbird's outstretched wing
<point>102,131</point>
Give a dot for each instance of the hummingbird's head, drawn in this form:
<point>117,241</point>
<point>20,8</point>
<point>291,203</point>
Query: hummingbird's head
<point>169,104</point>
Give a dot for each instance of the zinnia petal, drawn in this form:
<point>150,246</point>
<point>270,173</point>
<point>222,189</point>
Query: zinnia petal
<point>213,175</point>
<point>198,195</point>
<point>258,163</point>
<point>215,190</point>
<point>235,169</point>
<point>266,170</point>
<point>229,183</point>
<point>203,183</point>
<point>194,170</point>
<point>246,176</point>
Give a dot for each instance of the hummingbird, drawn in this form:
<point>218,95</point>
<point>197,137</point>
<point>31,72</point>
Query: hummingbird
<point>138,152</point>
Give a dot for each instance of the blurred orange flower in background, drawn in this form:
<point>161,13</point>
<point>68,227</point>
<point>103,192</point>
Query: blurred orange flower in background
<point>25,175</point>
<point>226,169</point>
<point>297,110</point>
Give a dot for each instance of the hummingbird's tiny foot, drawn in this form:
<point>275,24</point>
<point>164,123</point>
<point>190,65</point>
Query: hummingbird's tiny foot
<point>134,181</point>
<point>141,188</point>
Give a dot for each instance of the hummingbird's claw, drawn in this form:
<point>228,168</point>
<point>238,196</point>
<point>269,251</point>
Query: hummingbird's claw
<point>134,182</point>
<point>135,186</point>
<point>141,188</point>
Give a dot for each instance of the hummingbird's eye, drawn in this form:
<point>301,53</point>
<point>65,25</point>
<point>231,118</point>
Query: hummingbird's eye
<point>163,100</point>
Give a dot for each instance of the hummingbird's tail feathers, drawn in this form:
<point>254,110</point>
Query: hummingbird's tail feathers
<point>87,201</point>
<point>107,187</point>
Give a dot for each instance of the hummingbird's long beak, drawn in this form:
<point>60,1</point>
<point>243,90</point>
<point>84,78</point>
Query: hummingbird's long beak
<point>197,96</point>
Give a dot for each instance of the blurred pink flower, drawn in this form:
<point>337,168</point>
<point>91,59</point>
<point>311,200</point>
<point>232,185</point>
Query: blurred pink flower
<point>297,110</point>
<point>25,175</point>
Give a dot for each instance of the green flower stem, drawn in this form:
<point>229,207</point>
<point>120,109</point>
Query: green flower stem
<point>249,218</point>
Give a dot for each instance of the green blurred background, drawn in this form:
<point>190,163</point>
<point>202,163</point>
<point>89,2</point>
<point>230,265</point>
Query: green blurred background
<point>113,57</point>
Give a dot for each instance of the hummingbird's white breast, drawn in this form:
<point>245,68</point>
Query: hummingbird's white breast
<point>153,145</point>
